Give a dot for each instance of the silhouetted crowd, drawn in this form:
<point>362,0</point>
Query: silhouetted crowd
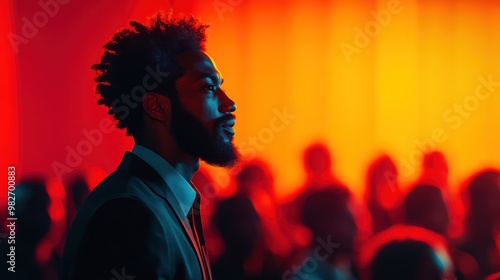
<point>420,231</point>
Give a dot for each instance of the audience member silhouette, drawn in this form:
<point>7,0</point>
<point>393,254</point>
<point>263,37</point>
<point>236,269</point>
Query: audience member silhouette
<point>425,207</point>
<point>483,220</point>
<point>76,190</point>
<point>326,213</point>
<point>434,170</point>
<point>251,237</point>
<point>405,259</point>
<point>318,165</point>
<point>32,224</point>
<point>382,192</point>
<point>255,180</point>
<point>407,252</point>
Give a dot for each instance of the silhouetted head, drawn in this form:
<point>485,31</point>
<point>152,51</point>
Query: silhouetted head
<point>326,212</point>
<point>31,210</point>
<point>483,200</point>
<point>317,159</point>
<point>238,224</point>
<point>406,252</point>
<point>160,85</point>
<point>382,182</point>
<point>435,160</point>
<point>406,259</point>
<point>424,206</point>
<point>254,175</point>
<point>434,169</point>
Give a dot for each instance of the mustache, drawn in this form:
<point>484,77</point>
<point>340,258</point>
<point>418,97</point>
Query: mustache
<point>224,119</point>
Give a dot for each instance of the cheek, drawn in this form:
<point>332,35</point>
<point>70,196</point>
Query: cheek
<point>211,109</point>
<point>205,110</point>
<point>204,116</point>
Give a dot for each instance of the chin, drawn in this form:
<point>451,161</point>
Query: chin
<point>225,155</point>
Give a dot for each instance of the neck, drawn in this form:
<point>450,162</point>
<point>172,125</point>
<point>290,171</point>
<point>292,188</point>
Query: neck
<point>186,169</point>
<point>185,164</point>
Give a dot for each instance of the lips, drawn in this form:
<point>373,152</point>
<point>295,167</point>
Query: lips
<point>230,122</point>
<point>228,126</point>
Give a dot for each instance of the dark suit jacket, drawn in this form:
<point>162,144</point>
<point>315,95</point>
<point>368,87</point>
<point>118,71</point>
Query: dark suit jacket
<point>130,226</point>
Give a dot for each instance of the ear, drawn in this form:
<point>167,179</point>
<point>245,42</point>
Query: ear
<point>156,106</point>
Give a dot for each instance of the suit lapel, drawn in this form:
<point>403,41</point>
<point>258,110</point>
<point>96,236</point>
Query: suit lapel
<point>136,166</point>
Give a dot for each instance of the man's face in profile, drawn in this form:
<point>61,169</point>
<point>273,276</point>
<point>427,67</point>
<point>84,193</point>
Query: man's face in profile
<point>202,119</point>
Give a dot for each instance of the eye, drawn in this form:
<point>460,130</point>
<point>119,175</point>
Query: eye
<point>209,87</point>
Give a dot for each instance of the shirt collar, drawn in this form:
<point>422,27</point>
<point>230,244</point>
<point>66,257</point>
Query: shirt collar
<point>182,189</point>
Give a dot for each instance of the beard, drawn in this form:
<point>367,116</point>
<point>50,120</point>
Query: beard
<point>196,140</point>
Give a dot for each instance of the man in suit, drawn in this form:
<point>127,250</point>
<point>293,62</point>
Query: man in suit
<point>142,221</point>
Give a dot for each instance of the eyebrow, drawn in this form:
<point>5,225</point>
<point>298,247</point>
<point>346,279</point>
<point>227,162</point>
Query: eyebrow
<point>211,76</point>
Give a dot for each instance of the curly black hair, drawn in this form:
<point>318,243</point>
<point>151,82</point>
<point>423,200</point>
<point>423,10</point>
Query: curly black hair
<point>140,59</point>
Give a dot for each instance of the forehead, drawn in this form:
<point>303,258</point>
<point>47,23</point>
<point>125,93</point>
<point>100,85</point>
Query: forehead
<point>196,64</point>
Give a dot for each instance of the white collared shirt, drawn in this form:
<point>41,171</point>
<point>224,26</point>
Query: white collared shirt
<point>183,191</point>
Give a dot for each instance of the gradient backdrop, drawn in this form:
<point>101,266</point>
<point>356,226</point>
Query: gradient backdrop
<point>364,76</point>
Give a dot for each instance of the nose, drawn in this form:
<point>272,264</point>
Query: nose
<point>227,104</point>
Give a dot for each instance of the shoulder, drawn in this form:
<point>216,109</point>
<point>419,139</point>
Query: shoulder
<point>121,189</point>
<point>121,210</point>
<point>119,234</point>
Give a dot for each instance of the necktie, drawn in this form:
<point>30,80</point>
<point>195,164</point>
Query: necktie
<point>195,222</point>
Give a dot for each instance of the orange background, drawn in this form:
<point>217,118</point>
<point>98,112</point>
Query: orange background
<point>401,84</point>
